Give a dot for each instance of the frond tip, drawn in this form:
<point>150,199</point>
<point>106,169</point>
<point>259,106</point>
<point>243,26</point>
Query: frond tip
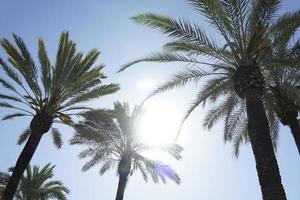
<point>24,136</point>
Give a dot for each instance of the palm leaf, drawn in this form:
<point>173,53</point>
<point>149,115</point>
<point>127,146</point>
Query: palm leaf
<point>14,115</point>
<point>24,136</point>
<point>56,135</point>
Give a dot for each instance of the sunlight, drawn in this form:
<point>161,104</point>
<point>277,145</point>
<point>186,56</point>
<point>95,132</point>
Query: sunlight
<point>146,84</point>
<point>159,127</point>
<point>160,123</point>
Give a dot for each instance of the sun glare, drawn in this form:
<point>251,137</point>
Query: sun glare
<point>160,123</point>
<point>146,84</point>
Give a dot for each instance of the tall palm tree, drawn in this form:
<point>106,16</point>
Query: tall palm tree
<point>112,140</point>
<point>283,90</point>
<point>47,92</point>
<point>281,100</point>
<point>248,30</point>
<point>37,184</point>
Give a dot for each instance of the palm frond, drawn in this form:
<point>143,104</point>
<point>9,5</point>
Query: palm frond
<point>163,57</point>
<point>219,111</point>
<point>56,136</point>
<point>181,79</point>
<point>179,29</point>
<point>285,27</point>
<point>46,70</point>
<point>106,166</point>
<point>96,92</point>
<point>14,115</point>
<point>24,136</point>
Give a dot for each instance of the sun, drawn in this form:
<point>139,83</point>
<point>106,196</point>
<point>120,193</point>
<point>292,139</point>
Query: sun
<point>160,123</point>
<point>146,84</point>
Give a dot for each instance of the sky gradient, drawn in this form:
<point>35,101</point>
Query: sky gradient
<point>208,169</point>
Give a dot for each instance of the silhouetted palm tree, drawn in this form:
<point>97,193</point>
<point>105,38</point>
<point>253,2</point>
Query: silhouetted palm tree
<point>283,86</point>
<point>47,92</point>
<point>37,184</point>
<point>112,140</point>
<point>279,80</point>
<point>248,29</point>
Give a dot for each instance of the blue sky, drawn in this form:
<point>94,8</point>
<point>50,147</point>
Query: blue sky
<point>208,169</point>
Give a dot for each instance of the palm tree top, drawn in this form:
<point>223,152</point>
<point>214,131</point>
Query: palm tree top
<point>51,89</point>
<point>112,140</point>
<point>37,184</point>
<point>50,92</point>
<point>249,29</point>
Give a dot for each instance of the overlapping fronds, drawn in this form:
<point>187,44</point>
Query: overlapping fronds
<point>250,31</point>
<point>111,138</point>
<point>53,89</point>
<point>37,183</point>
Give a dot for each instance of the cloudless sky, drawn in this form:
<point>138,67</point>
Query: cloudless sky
<point>208,169</point>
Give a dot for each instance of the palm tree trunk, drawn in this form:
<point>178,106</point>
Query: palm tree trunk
<point>295,129</point>
<point>259,134</point>
<point>22,162</point>
<point>121,186</point>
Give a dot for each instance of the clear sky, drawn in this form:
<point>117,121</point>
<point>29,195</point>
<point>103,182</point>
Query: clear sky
<point>208,169</point>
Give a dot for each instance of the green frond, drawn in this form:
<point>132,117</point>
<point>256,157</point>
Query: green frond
<point>37,183</point>
<point>157,170</point>
<point>174,150</point>
<point>56,136</point>
<point>46,74</point>
<point>65,52</point>
<point>240,137</point>
<point>89,60</point>
<point>237,11</point>
<point>236,117</point>
<point>163,57</point>
<point>7,105</point>
<point>76,108</point>
<point>181,30</point>
<point>11,73</point>
<point>98,91</point>
<point>285,27</point>
<point>178,29</point>
<point>20,59</point>
<point>105,167</point>
<point>214,11</point>
<point>86,153</point>
<point>142,170</point>
<point>219,111</point>
<point>14,115</point>
<point>214,89</point>
<point>7,85</point>
<point>97,158</point>
<point>12,98</point>
<point>24,136</point>
<point>261,12</point>
<point>195,49</point>
<point>181,79</point>
<point>97,115</point>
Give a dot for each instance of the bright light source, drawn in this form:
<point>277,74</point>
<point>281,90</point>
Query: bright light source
<point>160,123</point>
<point>146,84</point>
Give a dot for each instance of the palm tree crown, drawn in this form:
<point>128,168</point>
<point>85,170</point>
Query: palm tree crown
<point>112,140</point>
<point>37,184</point>
<point>58,89</point>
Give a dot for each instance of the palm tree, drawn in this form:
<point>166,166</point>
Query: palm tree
<point>248,30</point>
<point>112,140</point>
<point>281,100</point>
<point>48,92</point>
<point>283,91</point>
<point>37,184</point>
